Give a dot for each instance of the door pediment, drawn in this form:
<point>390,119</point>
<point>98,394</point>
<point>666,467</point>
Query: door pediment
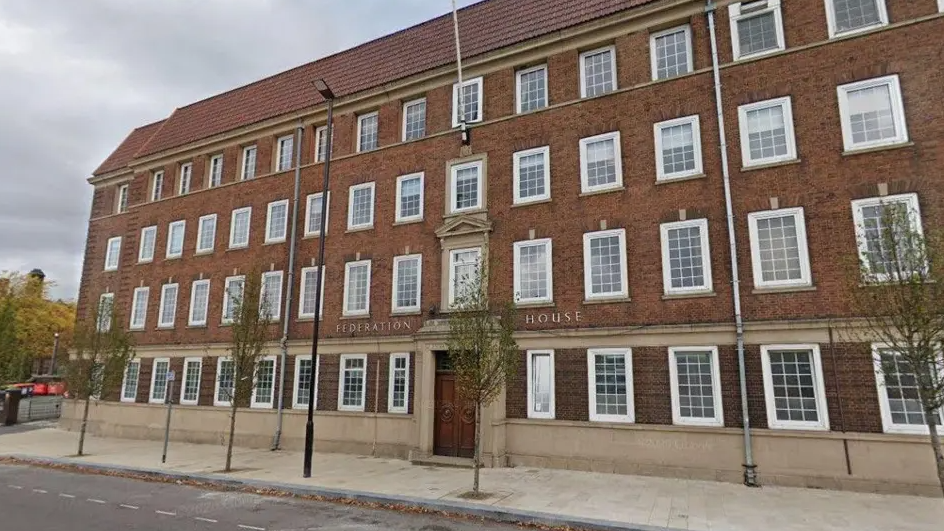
<point>464,225</point>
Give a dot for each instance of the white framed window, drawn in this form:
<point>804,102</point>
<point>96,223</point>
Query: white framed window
<point>532,175</point>
<point>670,52</point>
<point>779,252</point>
<point>248,170</point>
<point>159,369</point>
<point>357,288</point>
<point>407,283</point>
<point>129,384</point>
<point>225,381</point>
<point>604,264</point>
<point>139,304</point>
<point>215,177</point>
<point>767,134</point>
<point>175,238</point>
<point>464,265</point>
<point>540,384</point>
<point>597,72</point>
<point>168,312</point>
<point>270,297</point>
<point>276,221</point>
<point>871,217</point>
<point>398,386</point>
<point>414,119</point>
<point>313,207</point>
<point>148,241</point>
<point>465,187</point>
<point>756,28</point>
<point>157,185</point>
<point>696,386</point>
<point>284,150</point>
<point>353,388</point>
<point>601,163</point>
<point>263,389</point>
<point>610,373</point>
<point>368,132</point>
<point>306,302</point>
<point>112,253</point>
<point>678,148</point>
<point>846,17</point>
<point>531,88</point>
<point>206,234</point>
<point>184,178</point>
<point>686,257</point>
<point>899,398</point>
<point>872,113</point>
<point>533,276</point>
<point>410,197</point>
<point>121,204</point>
<point>190,381</point>
<point>321,141</point>
<point>793,387</point>
<point>232,297</point>
<point>468,106</point>
<point>239,227</point>
<point>106,306</point>
<point>306,375</point>
<point>940,5</point>
<point>360,206</point>
<point>199,299</point>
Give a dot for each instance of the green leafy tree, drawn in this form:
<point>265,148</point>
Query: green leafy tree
<point>99,359</point>
<point>482,349</point>
<point>12,364</point>
<point>899,290</point>
<point>251,333</point>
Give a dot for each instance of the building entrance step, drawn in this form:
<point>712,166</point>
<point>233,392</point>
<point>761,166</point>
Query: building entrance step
<point>442,461</point>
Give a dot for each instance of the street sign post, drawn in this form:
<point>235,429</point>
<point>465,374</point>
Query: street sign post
<point>169,393</point>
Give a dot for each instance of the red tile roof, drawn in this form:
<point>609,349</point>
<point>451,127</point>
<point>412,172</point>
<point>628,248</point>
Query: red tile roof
<point>485,26</point>
<point>126,150</point>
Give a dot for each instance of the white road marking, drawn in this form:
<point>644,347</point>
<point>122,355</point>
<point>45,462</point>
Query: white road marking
<point>202,519</point>
<point>17,487</point>
<point>166,513</point>
<point>66,496</point>
<point>40,491</point>
<point>135,507</point>
<point>93,500</point>
<point>253,528</point>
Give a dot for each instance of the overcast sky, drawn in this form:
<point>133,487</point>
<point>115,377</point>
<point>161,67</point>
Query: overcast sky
<point>77,76</point>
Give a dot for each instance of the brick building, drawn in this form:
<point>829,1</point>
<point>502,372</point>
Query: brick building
<point>594,178</point>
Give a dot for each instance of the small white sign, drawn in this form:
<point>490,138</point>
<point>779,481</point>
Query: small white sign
<point>171,376</point>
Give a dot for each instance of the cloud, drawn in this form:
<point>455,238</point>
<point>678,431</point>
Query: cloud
<point>78,76</point>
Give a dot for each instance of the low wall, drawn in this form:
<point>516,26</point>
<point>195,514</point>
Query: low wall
<point>361,433</point>
<point>879,463</point>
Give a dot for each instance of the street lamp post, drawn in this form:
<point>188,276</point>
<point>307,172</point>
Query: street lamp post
<point>326,93</point>
<point>55,350</point>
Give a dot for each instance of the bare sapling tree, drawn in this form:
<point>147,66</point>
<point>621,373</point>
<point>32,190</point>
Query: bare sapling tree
<point>102,352</point>
<point>899,292</point>
<point>481,347</point>
<point>250,311</point>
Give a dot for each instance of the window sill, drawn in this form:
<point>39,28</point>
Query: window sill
<point>203,253</point>
<point>308,319</point>
<point>354,317</point>
<point>886,147</point>
<point>530,305</point>
<point>138,330</point>
<point>695,295</point>
<point>782,289</point>
<point>350,410</point>
<point>407,222</point>
<point>670,180</point>
<point>529,203</point>
<point>468,212</point>
<point>768,165</point>
<point>405,313</point>
<point>226,324</point>
<point>312,236</point>
<point>358,229</point>
<point>239,248</point>
<point>160,328</point>
<point>758,55</point>
<point>142,262</point>
<point>172,258</point>
<point>619,188</point>
<point>109,270</point>
<point>607,300</point>
<point>276,242</point>
<point>197,326</point>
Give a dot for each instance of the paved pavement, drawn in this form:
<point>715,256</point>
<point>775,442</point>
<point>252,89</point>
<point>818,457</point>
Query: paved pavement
<point>652,501</point>
<point>51,500</point>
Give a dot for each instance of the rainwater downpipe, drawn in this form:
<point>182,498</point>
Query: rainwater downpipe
<point>287,313</point>
<point>750,473</point>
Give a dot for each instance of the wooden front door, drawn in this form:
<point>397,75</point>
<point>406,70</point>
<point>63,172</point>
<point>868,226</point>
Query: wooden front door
<point>454,427</point>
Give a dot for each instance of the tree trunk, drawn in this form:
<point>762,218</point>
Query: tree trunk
<point>932,416</point>
<point>477,458</point>
<point>85,413</point>
<point>232,432</point>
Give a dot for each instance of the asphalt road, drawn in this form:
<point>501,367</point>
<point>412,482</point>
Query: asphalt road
<point>37,498</point>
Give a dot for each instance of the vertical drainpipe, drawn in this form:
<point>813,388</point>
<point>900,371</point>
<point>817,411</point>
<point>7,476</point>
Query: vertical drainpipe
<point>287,313</point>
<point>750,474</point>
